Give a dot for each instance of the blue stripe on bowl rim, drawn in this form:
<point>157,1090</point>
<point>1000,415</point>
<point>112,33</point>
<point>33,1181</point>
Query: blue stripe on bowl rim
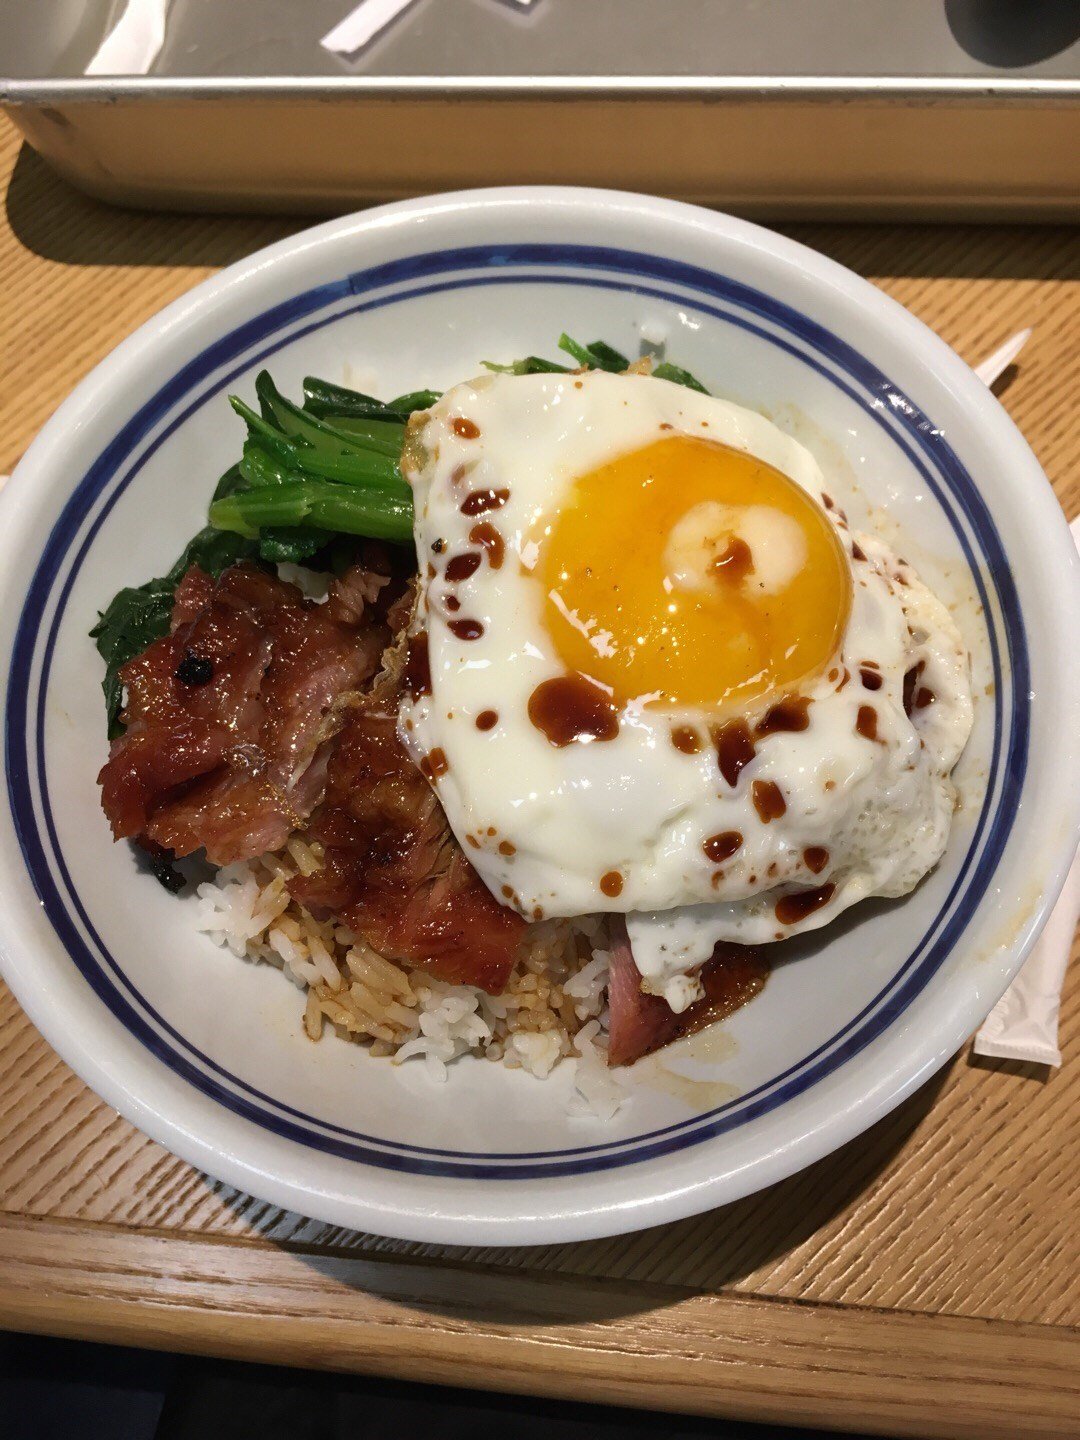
<point>242,348</point>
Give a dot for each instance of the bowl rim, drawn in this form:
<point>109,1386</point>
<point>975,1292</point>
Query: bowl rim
<point>95,391</point>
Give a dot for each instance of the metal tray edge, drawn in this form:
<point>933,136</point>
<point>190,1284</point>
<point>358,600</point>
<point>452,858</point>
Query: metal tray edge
<point>823,88</point>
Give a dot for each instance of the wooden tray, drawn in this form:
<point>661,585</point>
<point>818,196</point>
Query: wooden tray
<point>923,1281</point>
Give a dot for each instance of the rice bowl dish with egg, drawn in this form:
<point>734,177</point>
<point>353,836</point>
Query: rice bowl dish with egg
<point>521,721</point>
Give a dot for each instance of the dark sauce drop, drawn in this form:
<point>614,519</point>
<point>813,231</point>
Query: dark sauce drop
<point>866,722</point>
<point>507,847</point>
<point>870,678</point>
<point>477,501</point>
<point>924,696</point>
<point>815,858</point>
<point>734,749</point>
<point>487,719</point>
<point>195,670</point>
<point>434,764</point>
<point>768,800</point>
<point>686,739</point>
<point>721,847</point>
<point>466,629</point>
<point>611,884</point>
<point>569,708</point>
<point>911,683</point>
<point>452,602</point>
<point>857,552</point>
<point>790,713</point>
<point>484,533</point>
<point>734,563</point>
<point>417,677</point>
<point>790,909</point>
<point>467,429</point>
<point>460,567</point>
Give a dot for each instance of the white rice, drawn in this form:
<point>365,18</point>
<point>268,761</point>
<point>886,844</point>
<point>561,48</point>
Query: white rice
<point>551,1015</point>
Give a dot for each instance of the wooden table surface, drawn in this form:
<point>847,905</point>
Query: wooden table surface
<point>925,1280</point>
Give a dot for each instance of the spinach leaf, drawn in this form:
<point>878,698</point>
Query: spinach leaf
<point>294,543</point>
<point>531,365</point>
<point>335,402</point>
<point>597,355</point>
<point>678,376</point>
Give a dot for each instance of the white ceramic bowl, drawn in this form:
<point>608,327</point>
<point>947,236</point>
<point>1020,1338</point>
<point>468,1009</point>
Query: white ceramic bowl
<point>204,1052</point>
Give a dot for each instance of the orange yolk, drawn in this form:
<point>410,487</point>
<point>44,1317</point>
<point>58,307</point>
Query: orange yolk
<point>690,573</point>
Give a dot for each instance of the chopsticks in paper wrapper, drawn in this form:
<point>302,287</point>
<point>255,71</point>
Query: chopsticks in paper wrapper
<point>368,19</point>
<point>1023,1025</point>
<point>134,42</point>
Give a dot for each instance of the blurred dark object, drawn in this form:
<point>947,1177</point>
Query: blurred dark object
<point>1008,33</point>
<point>65,1390</point>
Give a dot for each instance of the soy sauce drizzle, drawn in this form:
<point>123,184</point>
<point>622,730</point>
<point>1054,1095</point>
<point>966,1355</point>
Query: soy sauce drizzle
<point>735,562</point>
<point>790,713</point>
<point>460,567</point>
<point>571,708</point>
<point>434,764</point>
<point>686,739</point>
<point>466,629</point>
<point>477,501</point>
<point>815,858</point>
<point>483,533</point>
<point>734,749</point>
<point>911,683</point>
<point>790,909</point>
<point>768,800</point>
<point>719,848</point>
<point>866,722</point>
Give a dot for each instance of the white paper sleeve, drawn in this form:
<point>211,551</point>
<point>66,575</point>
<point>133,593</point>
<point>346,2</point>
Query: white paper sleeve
<point>1023,1025</point>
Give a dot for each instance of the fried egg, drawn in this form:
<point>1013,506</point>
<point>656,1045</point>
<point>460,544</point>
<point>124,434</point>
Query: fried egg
<point>654,672</point>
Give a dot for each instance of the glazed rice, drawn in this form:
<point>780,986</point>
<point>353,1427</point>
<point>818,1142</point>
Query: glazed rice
<point>552,1012</point>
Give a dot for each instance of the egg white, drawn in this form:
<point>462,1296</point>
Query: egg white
<point>543,824</point>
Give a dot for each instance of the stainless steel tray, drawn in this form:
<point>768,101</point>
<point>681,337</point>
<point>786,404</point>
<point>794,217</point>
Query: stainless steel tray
<point>888,108</point>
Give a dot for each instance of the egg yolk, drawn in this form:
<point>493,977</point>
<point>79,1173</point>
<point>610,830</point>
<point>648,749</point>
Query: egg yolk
<point>691,573</point>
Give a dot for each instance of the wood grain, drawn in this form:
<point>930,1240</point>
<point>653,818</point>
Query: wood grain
<point>662,1347</point>
<point>924,1281</point>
